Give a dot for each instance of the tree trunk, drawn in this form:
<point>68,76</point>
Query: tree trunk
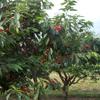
<point>39,97</point>
<point>65,90</point>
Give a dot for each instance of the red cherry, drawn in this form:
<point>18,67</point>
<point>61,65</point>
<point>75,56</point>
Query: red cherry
<point>1,30</point>
<point>12,17</point>
<point>7,30</point>
<point>87,46</point>
<point>3,18</point>
<point>58,59</point>
<point>52,81</point>
<point>24,88</point>
<point>58,28</point>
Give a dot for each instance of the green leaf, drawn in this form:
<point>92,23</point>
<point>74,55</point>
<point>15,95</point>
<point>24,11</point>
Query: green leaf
<point>47,41</point>
<point>8,96</point>
<point>12,28</point>
<point>26,97</point>
<point>19,96</point>
<point>15,67</point>
<point>1,72</point>
<point>35,29</point>
<point>0,16</point>
<point>37,94</point>
<point>2,40</point>
<point>17,17</point>
<point>1,23</point>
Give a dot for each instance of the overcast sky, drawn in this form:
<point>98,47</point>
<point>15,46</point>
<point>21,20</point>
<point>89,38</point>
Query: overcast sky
<point>90,9</point>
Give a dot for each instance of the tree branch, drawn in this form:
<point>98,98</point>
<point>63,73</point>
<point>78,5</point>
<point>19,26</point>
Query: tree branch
<point>72,80</point>
<point>66,76</point>
<point>76,81</point>
<point>79,78</point>
<point>61,77</point>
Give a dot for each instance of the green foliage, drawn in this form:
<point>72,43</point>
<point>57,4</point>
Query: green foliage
<point>33,46</point>
<point>16,92</point>
<point>20,51</point>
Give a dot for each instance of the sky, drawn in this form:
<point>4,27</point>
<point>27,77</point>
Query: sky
<point>88,8</point>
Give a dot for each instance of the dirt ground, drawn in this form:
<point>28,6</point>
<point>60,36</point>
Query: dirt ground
<point>62,98</point>
<point>70,98</point>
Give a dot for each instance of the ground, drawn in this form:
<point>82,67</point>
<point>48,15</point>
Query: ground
<point>84,90</point>
<point>71,98</point>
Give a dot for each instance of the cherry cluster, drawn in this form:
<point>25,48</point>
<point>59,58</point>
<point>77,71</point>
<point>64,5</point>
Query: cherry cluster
<point>27,46</point>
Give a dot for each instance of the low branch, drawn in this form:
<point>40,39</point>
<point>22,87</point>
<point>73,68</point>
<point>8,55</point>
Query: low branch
<point>77,80</point>
<point>66,76</point>
<point>80,78</point>
<point>72,80</point>
<point>61,77</point>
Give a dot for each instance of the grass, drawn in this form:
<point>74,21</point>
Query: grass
<point>85,88</point>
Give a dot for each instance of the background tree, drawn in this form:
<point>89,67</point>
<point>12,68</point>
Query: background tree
<point>70,38</point>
